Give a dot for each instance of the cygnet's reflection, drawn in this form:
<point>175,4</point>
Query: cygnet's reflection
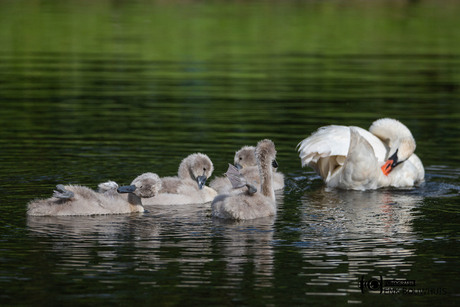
<point>247,242</point>
<point>151,242</point>
<point>248,245</point>
<point>88,243</point>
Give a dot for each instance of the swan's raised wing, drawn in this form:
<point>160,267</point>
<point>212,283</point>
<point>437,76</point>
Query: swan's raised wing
<point>325,142</point>
<point>325,150</point>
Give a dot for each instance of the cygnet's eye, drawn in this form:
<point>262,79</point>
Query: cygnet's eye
<point>204,169</point>
<point>241,158</point>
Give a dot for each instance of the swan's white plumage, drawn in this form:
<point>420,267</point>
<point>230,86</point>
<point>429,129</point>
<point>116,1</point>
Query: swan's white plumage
<point>351,157</point>
<point>410,173</point>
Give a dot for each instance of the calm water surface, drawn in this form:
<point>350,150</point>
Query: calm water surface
<point>108,90</point>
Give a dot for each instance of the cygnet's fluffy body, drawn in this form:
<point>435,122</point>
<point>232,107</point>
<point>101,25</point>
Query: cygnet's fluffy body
<point>245,160</point>
<point>188,187</point>
<point>245,205</point>
<point>80,200</point>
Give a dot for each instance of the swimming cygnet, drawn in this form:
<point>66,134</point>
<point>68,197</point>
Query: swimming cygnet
<point>245,161</point>
<point>80,200</point>
<point>188,187</point>
<point>248,205</point>
<point>354,158</point>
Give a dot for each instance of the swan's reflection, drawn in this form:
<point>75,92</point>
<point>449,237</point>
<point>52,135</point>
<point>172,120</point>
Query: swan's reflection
<point>365,233</point>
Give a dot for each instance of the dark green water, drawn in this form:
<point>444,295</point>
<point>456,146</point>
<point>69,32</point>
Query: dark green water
<point>98,90</point>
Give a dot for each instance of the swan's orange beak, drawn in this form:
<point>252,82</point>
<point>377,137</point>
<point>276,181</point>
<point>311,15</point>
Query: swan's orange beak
<point>387,167</point>
<point>391,163</point>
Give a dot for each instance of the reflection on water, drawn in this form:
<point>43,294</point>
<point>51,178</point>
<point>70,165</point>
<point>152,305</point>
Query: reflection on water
<point>377,214</point>
<point>342,236</point>
<point>247,243</point>
<point>337,237</point>
<point>348,234</point>
<point>179,235</point>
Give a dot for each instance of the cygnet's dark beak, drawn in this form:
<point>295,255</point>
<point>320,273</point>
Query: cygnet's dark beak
<point>201,181</point>
<point>251,189</point>
<point>275,164</point>
<point>126,189</point>
<point>238,166</point>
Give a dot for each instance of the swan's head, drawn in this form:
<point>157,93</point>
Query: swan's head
<point>266,153</point>
<point>397,137</point>
<point>197,167</point>
<point>145,186</point>
<point>245,157</point>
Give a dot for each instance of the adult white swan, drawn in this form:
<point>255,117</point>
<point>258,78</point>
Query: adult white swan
<point>353,158</point>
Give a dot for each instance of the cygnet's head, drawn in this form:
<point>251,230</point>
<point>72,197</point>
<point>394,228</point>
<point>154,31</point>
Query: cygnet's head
<point>197,167</point>
<point>145,185</point>
<point>266,153</point>
<point>397,137</point>
<point>245,157</point>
